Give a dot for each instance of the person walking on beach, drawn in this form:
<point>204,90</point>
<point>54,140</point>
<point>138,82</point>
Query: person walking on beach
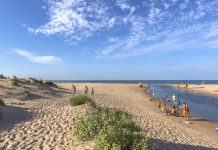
<point>74,89</point>
<point>93,92</point>
<point>86,90</point>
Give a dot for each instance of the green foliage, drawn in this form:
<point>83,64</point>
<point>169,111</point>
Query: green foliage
<point>111,129</point>
<point>78,100</point>
<point>2,103</point>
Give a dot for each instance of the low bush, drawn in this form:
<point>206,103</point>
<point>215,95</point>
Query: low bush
<point>78,100</point>
<point>111,129</point>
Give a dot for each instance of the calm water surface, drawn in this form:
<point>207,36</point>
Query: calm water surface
<point>201,105</point>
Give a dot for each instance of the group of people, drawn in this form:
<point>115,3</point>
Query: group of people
<point>175,111</point>
<point>85,91</point>
<point>166,111</point>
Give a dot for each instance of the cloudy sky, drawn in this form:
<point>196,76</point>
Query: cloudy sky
<point>109,39</point>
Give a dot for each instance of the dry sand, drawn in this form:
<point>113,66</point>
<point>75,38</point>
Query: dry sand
<point>46,122</point>
<point>210,89</point>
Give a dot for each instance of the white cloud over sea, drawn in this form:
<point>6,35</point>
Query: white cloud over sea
<point>38,59</point>
<point>145,27</point>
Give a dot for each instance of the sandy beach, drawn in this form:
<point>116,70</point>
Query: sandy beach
<point>210,89</point>
<point>46,120</point>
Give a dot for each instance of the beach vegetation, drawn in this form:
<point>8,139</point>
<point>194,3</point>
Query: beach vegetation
<point>111,129</point>
<point>78,100</point>
<point>50,83</point>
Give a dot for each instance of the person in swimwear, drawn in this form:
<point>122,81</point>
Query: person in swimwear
<point>174,111</point>
<point>187,111</point>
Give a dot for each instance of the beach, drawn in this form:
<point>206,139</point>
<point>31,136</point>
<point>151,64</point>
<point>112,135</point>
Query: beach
<point>46,121</point>
<point>210,89</point>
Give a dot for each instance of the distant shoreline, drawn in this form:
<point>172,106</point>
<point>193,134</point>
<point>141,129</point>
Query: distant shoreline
<point>208,89</point>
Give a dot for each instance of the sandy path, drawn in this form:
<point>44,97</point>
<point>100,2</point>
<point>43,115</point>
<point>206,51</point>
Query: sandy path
<point>50,128</point>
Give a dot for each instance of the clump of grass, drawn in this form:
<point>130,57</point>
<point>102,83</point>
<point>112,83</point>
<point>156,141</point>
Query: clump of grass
<point>14,81</point>
<point>50,83</point>
<point>78,100</point>
<point>111,129</point>
<point>2,103</point>
<point>41,82</point>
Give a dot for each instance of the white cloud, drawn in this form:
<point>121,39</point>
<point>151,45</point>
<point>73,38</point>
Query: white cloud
<point>38,59</point>
<point>155,25</point>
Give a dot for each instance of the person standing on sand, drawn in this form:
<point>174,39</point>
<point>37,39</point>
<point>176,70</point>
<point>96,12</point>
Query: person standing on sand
<point>86,90</point>
<point>183,110</point>
<point>174,99</point>
<point>74,89</point>
<point>187,111</point>
<point>159,105</point>
<point>153,95</point>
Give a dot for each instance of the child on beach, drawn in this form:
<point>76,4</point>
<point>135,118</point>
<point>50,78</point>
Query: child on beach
<point>86,90</point>
<point>74,89</point>
<point>93,92</point>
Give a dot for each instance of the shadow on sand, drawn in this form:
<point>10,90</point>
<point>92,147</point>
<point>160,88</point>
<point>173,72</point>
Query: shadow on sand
<point>13,115</point>
<point>163,145</point>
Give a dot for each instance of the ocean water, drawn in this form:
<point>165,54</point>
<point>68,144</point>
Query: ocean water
<point>201,105</point>
<point>143,81</point>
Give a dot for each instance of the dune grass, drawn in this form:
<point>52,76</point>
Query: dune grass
<point>78,100</point>
<point>111,129</point>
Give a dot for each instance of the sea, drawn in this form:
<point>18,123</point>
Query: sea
<point>142,81</point>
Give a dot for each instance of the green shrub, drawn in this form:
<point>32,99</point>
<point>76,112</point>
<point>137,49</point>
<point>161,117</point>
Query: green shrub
<point>2,103</point>
<point>78,100</point>
<point>111,129</point>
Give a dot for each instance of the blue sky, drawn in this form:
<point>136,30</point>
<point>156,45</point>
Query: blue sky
<point>113,39</point>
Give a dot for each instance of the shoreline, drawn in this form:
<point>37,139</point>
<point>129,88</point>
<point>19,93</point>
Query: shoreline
<point>207,89</point>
